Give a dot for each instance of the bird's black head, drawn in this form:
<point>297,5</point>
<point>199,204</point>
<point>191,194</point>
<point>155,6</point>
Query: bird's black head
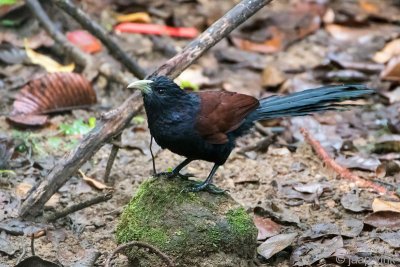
<point>160,92</point>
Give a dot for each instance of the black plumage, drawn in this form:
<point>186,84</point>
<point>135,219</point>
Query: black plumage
<point>204,125</point>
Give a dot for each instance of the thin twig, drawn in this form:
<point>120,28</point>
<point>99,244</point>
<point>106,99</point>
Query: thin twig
<point>342,171</point>
<point>95,29</point>
<point>153,249</point>
<point>153,159</point>
<point>113,122</point>
<point>104,197</point>
<point>74,52</point>
<point>111,158</point>
<point>33,244</point>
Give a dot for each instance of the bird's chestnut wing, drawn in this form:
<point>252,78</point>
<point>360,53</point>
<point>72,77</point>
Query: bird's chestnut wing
<point>221,113</point>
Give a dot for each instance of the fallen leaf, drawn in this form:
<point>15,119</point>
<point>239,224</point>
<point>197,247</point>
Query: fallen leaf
<point>309,253</point>
<point>351,227</point>
<point>156,29</point>
<point>6,151</point>
<point>322,229</point>
<point>22,189</point>
<point>358,162</point>
<point>266,227</point>
<point>275,244</point>
<point>392,70</point>
<point>46,62</point>
<point>272,76</point>
<point>387,143</point>
<point>352,201</point>
<point>392,49</point>
<point>10,54</point>
<point>142,17</point>
<point>92,182</point>
<point>393,239</point>
<point>379,205</point>
<point>85,41</point>
<point>6,246</point>
<point>53,92</point>
<point>384,219</point>
<point>392,96</point>
<point>359,34</point>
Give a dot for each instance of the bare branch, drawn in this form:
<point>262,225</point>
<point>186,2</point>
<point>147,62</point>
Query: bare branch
<point>112,123</point>
<point>74,52</point>
<point>95,29</point>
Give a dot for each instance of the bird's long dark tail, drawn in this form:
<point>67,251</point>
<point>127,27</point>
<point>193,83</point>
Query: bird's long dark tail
<point>309,101</point>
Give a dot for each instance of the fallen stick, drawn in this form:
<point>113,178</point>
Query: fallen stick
<point>153,249</point>
<point>113,122</point>
<point>342,171</point>
<point>79,206</point>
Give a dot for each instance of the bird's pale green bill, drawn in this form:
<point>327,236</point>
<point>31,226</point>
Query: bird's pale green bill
<point>142,85</point>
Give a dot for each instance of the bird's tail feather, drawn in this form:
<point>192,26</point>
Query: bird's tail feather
<point>309,101</point>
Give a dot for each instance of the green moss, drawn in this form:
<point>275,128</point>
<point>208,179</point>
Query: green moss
<point>240,221</point>
<point>186,226</point>
<point>143,208</point>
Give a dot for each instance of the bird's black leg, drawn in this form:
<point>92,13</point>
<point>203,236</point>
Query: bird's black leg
<point>176,170</point>
<point>206,185</point>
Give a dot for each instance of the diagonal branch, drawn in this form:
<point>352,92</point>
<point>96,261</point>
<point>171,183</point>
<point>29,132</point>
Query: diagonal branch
<point>95,29</point>
<point>112,123</point>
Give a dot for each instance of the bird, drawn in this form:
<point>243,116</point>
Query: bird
<point>204,125</point>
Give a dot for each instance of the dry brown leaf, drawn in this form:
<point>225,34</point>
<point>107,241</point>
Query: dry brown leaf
<point>344,33</point>
<point>142,17</point>
<point>22,189</point>
<point>392,70</point>
<point>272,76</point>
<point>379,204</point>
<point>266,227</point>
<point>53,92</point>
<point>392,49</point>
<point>53,201</point>
<point>92,182</point>
<point>384,219</point>
<point>46,62</point>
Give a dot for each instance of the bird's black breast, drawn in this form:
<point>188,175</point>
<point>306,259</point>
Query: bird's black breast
<point>173,128</point>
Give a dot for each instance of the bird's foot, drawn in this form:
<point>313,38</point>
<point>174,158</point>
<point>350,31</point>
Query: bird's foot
<point>204,187</point>
<point>173,175</point>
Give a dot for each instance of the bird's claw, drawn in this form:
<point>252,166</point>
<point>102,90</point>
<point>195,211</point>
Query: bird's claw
<point>173,175</point>
<point>204,187</point>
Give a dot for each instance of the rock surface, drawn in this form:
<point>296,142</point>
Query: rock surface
<point>193,229</point>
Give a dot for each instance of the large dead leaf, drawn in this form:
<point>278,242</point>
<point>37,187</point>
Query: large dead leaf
<point>379,205</point>
<point>280,29</point>
<point>359,34</point>
<point>384,219</point>
<point>351,227</point>
<point>275,244</point>
<point>353,202</point>
<point>46,62</point>
<point>85,41</point>
<point>92,182</point>
<point>393,239</point>
<point>266,227</point>
<point>311,252</point>
<point>53,92</point>
<point>322,229</point>
<point>358,162</point>
<point>37,262</point>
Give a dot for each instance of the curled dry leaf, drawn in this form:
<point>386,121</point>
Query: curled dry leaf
<point>384,219</point>
<point>344,33</point>
<point>92,182</point>
<point>379,205</point>
<point>85,41</point>
<point>46,62</point>
<point>266,227</point>
<point>142,17</point>
<point>392,70</point>
<point>392,49</point>
<point>53,92</point>
<point>275,244</point>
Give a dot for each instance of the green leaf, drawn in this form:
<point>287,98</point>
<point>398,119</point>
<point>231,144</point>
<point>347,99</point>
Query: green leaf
<point>92,122</point>
<point>72,144</point>
<point>8,2</point>
<point>7,171</point>
<point>138,119</point>
<point>78,127</point>
<point>185,84</point>
<point>9,22</point>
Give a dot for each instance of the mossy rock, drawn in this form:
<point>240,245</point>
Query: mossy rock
<point>194,229</point>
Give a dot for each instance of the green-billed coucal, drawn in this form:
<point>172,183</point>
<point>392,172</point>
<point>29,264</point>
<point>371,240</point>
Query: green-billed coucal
<point>204,125</point>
